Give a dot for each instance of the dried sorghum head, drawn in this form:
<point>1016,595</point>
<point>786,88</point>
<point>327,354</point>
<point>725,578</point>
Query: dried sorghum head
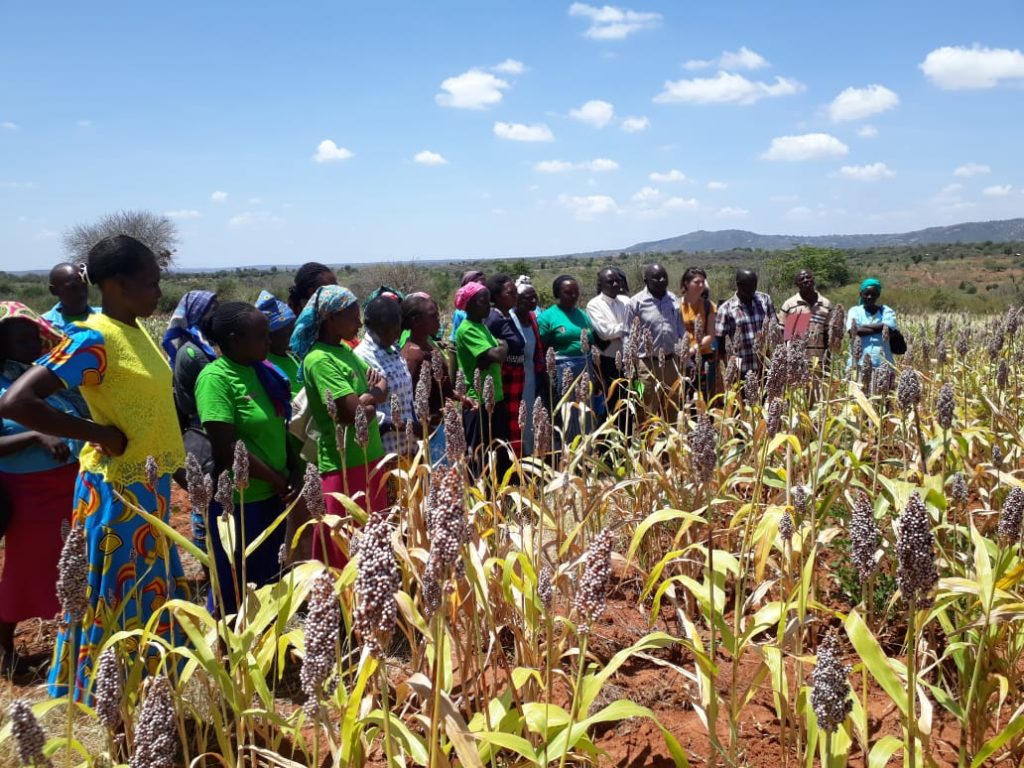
<point>1010,515</point>
<point>541,429</point>
<point>477,382</point>
<point>73,575</point>
<point>200,486</point>
<point>313,492</point>
<point>963,344</point>
<point>585,342</point>
<point>362,427</point>
<point>592,589</point>
<point>836,327</point>
<point>437,367</point>
<point>864,536</point>
<point>240,466</point>
<point>521,415</point>
<point>489,394</point>
<point>915,554</point>
<point>797,369</point>
<point>800,498</point>
<point>997,456</point>
<point>773,416</point>
<point>830,695</point>
<point>703,442</point>
<point>454,433</point>
<point>395,404</point>
<point>28,733</point>
<point>108,689</point>
<point>751,387</point>
<point>546,586</point>
<point>552,364</point>
<point>225,494</point>
<point>1003,374</point>
<point>583,388</point>
<point>732,372</point>
<point>567,381</point>
<point>377,582</point>
<point>908,390</point>
<point>446,517</point>
<point>156,732</point>
<point>778,374</point>
<point>959,489</point>
<point>331,405</point>
<point>945,406</point>
<point>320,632</point>
<point>786,526</point>
<point>460,383</point>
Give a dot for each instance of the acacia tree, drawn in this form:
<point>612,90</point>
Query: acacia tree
<point>155,230</point>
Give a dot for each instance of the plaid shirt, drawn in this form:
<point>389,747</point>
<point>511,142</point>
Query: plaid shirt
<point>743,323</point>
<point>391,363</point>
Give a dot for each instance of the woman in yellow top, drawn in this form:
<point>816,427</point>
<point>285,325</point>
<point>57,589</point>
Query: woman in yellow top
<point>132,570</point>
<point>694,303</point>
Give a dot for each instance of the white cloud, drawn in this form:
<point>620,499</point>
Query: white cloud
<point>426,157</point>
<point>680,204</point>
<point>595,112</point>
<point>597,165</point>
<point>858,103</point>
<point>474,89</point>
<point>668,177</point>
<point>183,214</point>
<point>254,219</point>
<point>600,165</point>
<point>8,125</point>
<point>728,212</point>
<point>510,67</point>
<point>612,23</point>
<point>870,172</point>
<point>807,146</point>
<point>800,213</point>
<point>971,169</point>
<point>725,88</point>
<point>958,67</point>
<point>646,196</point>
<point>219,196</point>
<point>635,124</point>
<point>997,190</point>
<point>867,132</point>
<point>744,58</point>
<point>588,207</point>
<point>329,152</point>
<point>717,185</point>
<point>8,184</point>
<point>521,132</point>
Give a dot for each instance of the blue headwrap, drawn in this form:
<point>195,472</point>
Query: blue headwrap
<point>327,300</point>
<point>277,312</point>
<point>184,324</point>
<point>871,282</point>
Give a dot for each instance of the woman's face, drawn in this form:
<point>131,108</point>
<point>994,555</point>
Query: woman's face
<point>348,321</point>
<point>506,298</point>
<point>253,343</point>
<point>870,295</point>
<point>527,301</point>
<point>281,338</point>
<point>20,341</point>
<point>569,294</point>
<point>140,293</point>
<point>389,335</point>
<point>478,307</point>
<point>695,288</point>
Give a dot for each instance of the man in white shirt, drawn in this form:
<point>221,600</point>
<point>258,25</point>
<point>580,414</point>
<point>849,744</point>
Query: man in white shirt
<point>607,312</point>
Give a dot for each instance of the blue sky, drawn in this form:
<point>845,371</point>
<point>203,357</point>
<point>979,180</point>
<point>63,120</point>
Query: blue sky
<point>342,132</point>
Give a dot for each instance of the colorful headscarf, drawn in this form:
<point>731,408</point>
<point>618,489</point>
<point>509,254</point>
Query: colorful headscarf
<point>391,293</point>
<point>50,336</point>
<point>472,276</point>
<point>277,386</point>
<point>184,325</point>
<point>278,314</point>
<point>325,301</point>
<point>467,292</point>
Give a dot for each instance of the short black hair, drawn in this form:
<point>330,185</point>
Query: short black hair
<point>496,282</point>
<point>231,317</point>
<point>558,282</point>
<point>305,283</point>
<point>115,256</point>
<point>382,313</point>
<point>414,305</point>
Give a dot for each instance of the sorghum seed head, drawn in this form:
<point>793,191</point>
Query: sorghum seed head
<point>703,442</point>
<point>830,695</point>
<point>583,388</point>
<point>545,586</point>
<point>446,519</point>
<point>732,372</point>
<point>225,494</point>
<point>1003,374</point>
<point>963,344</point>
<point>945,406</point>
<point>320,633</point>
<point>152,472</point>
<point>797,369</point>
<point>108,689</point>
<point>1010,515</point>
<point>997,456</point>
<point>585,341</point>
<point>156,733</point>
<point>73,575</point>
<point>959,489</point>
<point>437,367</point>
<point>28,733</point>
<point>775,381</point>
<point>377,582</point>
<point>915,554</point>
<point>541,429</point>
<point>331,405</point>
<point>786,526</point>
<point>592,589</point>
<point>489,394</point>
<point>751,388</point>
<point>240,466</point>
<point>836,327</point>
<point>551,363</point>
<point>362,427</point>
<point>477,382</point>
<point>313,492</point>
<point>421,400</point>
<point>521,415</point>
<point>800,498</point>
<point>395,404</point>
<point>198,485</point>
<point>864,536</point>
<point>908,390</point>
<point>454,433</point>
<point>567,380</point>
<point>773,416</point>
<point>460,383</point>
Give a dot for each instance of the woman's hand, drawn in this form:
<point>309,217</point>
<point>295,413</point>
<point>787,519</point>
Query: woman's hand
<point>56,447</point>
<point>112,441</point>
<point>377,384</point>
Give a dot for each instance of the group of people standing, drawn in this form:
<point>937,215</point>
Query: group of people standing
<point>98,418</point>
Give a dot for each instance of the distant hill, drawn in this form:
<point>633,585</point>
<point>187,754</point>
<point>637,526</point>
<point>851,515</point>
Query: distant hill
<point>1009,230</point>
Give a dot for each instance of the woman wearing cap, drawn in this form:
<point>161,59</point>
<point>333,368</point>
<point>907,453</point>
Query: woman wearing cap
<point>37,482</point>
<point>871,319</point>
<point>281,323</point>
<point>525,318</point>
<point>334,376</point>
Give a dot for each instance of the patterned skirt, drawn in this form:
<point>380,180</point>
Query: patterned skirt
<point>133,572</point>
<point>513,384</point>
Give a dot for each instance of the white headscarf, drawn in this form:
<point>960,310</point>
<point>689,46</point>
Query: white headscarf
<point>522,283</point>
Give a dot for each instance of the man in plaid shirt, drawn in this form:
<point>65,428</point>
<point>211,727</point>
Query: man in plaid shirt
<point>742,318</point>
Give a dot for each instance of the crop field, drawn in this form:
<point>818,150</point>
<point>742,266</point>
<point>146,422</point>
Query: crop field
<point>824,569</point>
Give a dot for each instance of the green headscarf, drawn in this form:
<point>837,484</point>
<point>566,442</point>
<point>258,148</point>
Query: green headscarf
<point>871,282</point>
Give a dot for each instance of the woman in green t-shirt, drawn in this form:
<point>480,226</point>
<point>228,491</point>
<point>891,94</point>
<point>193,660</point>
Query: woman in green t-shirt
<point>563,326</point>
<point>242,399</point>
<point>479,357</point>
<point>349,449</point>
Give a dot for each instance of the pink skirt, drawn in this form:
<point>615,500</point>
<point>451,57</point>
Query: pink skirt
<point>39,503</point>
<point>325,547</point>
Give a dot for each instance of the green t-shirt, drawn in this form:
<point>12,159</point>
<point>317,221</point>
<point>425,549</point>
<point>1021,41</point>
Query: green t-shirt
<point>472,339</point>
<point>232,394</point>
<point>289,367</point>
<point>561,331</point>
<point>343,373</point>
